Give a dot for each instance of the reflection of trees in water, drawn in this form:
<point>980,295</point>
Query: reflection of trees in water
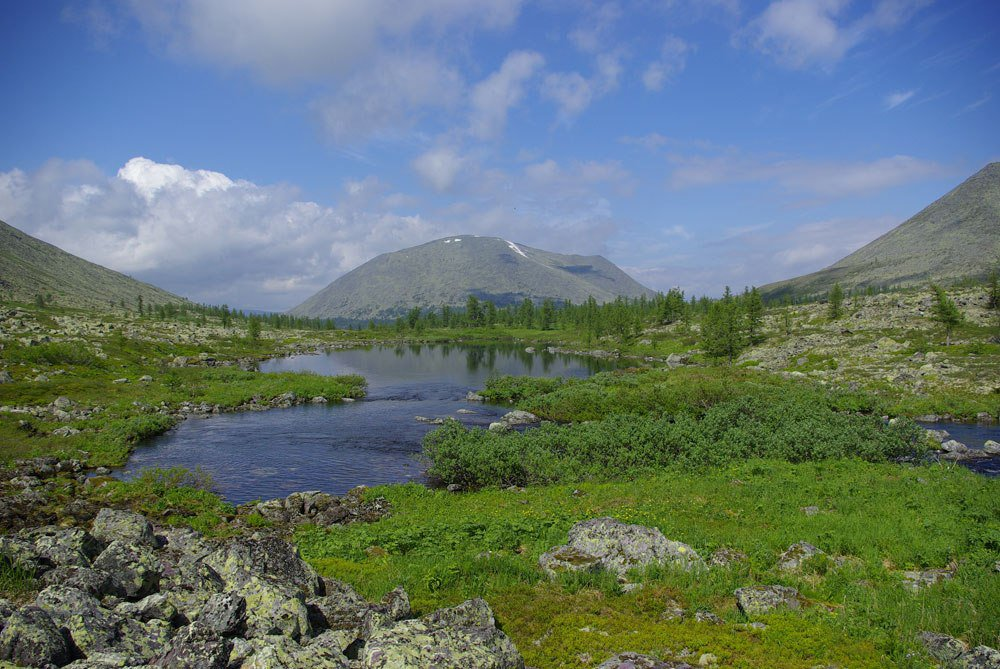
<point>399,350</point>
<point>415,349</point>
<point>445,350</point>
<point>547,360</point>
<point>474,358</point>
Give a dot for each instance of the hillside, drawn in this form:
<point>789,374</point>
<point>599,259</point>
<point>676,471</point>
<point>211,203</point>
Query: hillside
<point>30,267</point>
<point>957,236</point>
<point>447,271</point>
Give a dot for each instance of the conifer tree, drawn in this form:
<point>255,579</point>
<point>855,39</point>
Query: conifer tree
<point>945,312</point>
<point>836,302</point>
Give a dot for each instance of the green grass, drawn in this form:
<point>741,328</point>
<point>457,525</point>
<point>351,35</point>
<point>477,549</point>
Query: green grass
<point>445,547</point>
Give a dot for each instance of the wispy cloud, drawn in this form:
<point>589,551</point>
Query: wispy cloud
<point>893,100</point>
<point>975,105</point>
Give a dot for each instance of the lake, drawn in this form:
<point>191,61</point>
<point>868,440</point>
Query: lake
<point>335,447</point>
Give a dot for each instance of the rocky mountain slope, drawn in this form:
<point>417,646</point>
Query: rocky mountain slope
<point>30,267</point>
<point>957,236</point>
<point>447,271</point>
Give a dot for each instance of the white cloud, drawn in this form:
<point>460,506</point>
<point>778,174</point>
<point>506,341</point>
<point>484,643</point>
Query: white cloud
<point>804,33</point>
<point>439,167</point>
<point>824,179</point>
<point>572,93</point>
<point>893,100</point>
<point>203,235</point>
<point>672,61</point>
<point>493,97</point>
<point>315,40</point>
<point>389,97</point>
<point>591,34</point>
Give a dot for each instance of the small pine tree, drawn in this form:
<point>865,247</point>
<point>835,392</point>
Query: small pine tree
<point>945,312</point>
<point>993,290</point>
<point>723,328</point>
<point>753,305</point>
<point>836,302</point>
<point>253,328</point>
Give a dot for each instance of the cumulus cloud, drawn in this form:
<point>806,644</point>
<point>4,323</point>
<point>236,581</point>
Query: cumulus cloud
<point>203,235</point>
<point>805,33</point>
<point>672,61</point>
<point>823,179</point>
<point>893,100</point>
<point>592,32</point>
<point>493,97</point>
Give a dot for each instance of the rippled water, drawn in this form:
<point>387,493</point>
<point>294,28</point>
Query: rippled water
<point>334,447</point>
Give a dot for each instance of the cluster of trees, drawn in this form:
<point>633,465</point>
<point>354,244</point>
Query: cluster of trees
<point>200,313</point>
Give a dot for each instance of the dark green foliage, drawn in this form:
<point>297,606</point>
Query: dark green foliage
<point>835,302</point>
<point>53,353</point>
<point>753,305</point>
<point>993,290</point>
<point>945,312</point>
<point>724,328</point>
<point>792,426</point>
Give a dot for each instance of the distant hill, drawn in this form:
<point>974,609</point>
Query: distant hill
<point>29,267</point>
<point>447,271</point>
<point>956,237</point>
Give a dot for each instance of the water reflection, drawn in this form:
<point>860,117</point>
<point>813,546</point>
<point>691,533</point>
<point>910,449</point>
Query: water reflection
<point>338,446</point>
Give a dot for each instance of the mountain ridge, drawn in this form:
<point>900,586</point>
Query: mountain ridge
<point>446,271</point>
<point>946,241</point>
<point>30,267</point>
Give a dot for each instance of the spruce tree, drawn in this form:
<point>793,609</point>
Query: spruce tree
<point>945,312</point>
<point>836,302</point>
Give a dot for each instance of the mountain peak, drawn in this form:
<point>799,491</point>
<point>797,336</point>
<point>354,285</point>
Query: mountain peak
<point>447,270</point>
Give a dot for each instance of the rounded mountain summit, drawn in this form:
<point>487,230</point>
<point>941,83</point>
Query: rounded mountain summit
<point>446,271</point>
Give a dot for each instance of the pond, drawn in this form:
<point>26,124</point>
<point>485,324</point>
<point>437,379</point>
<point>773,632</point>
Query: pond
<point>335,447</point>
<point>973,435</point>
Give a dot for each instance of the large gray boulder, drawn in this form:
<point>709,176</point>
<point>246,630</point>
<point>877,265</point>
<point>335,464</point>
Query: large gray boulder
<point>462,637</point>
<point>134,568</point>
<point>31,639</point>
<point>279,652</point>
<point>606,543</point>
<point>954,653</point>
<point>124,526</point>
<point>797,555</point>
<point>225,614</point>
<point>195,647</point>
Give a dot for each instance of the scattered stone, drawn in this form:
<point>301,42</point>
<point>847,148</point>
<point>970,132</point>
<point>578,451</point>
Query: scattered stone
<point>5,377</point>
<point>114,525</point>
<point>319,399</point>
<point>708,617</point>
<point>707,660</point>
<point>938,436</point>
<point>466,411</point>
<point>797,554</point>
<point>991,447</point>
<point>474,397</point>
<point>914,580</point>
<point>637,661</point>
<point>952,446</point>
<point>429,421</point>
<point>726,557</point>
<point>65,431</point>
<point>672,610</point>
<point>454,487</point>
<point>606,543</point>
<point>145,378</point>
<point>120,381</point>
<point>758,599</point>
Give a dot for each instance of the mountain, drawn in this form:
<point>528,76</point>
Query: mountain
<point>447,271</point>
<point>956,237</point>
<point>30,267</point>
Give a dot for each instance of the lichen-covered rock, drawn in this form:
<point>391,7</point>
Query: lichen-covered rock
<point>71,547</point>
<point>189,583</point>
<point>982,657</point>
<point>241,560</point>
<point>758,599</point>
<point>341,608</point>
<point>278,652</point>
<point>943,648</point>
<point>153,607</point>
<point>915,580</point>
<point>396,604</point>
<point>225,614</point>
<point>617,547</point>
<point>637,661</point>
<point>91,581</point>
<point>796,555</point>
<point>726,557</point>
<point>135,571</point>
<point>91,627</point>
<point>107,661</point>
<point>274,607</point>
<point>124,526</point>
<point>22,553</point>
<point>195,647</point>
<point>31,638</point>
<point>463,637</point>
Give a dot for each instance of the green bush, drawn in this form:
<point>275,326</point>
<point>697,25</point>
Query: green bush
<point>794,428</point>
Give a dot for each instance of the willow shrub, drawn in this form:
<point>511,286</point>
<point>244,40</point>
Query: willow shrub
<point>794,428</point>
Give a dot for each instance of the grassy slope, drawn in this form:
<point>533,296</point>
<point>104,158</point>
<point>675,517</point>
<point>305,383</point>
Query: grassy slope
<point>954,237</point>
<point>30,267</point>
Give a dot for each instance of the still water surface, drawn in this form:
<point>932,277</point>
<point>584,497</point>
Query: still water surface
<point>334,447</point>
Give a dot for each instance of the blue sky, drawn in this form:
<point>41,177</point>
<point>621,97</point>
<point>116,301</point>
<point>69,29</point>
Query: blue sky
<point>251,151</point>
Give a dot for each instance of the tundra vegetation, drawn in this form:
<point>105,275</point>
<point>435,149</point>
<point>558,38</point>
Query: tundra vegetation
<point>742,429</point>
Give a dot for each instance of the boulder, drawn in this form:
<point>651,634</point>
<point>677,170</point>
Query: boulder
<point>952,446</point>
<point>462,637</point>
<point>991,447</point>
<point>135,571</point>
<point>915,580</point>
<point>225,614</point>
<point>943,648</point>
<point>278,652</point>
<point>31,638</point>
<point>758,599</point>
<point>91,581</point>
<point>124,526</point>
<point>606,543</point>
<point>195,647</point>
<point>797,554</point>
<point>154,607</point>
<point>5,377</point>
<point>241,560</point>
<point>341,608</point>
